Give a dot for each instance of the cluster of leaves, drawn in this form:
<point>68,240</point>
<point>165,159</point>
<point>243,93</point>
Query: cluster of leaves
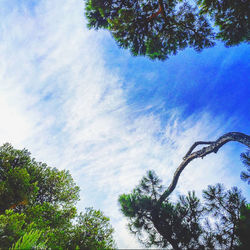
<point>245,175</point>
<point>29,240</point>
<point>36,200</point>
<point>231,17</point>
<point>23,181</point>
<point>161,28</point>
<point>187,223</point>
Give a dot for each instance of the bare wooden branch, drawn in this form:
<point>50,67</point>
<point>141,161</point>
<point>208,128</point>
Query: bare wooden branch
<point>213,147</point>
<point>194,146</point>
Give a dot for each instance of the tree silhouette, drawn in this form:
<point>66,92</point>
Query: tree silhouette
<point>217,222</point>
<point>245,175</point>
<point>160,28</point>
<point>158,222</point>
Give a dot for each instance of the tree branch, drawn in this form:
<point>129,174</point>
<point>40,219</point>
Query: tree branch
<point>214,146</point>
<point>194,146</point>
<point>160,11</point>
<point>155,14</point>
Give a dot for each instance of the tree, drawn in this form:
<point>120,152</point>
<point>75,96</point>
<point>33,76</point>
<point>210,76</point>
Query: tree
<point>29,240</point>
<point>37,200</point>
<point>245,175</point>
<point>89,230</point>
<point>243,228</point>
<point>23,180</point>
<point>187,223</point>
<point>231,17</point>
<point>150,211</point>
<point>11,228</point>
<point>92,231</point>
<point>161,28</point>
<point>213,147</point>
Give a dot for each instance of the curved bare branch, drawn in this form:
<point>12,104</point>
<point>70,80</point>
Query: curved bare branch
<point>213,147</point>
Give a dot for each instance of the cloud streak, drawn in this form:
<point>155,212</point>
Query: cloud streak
<point>60,100</point>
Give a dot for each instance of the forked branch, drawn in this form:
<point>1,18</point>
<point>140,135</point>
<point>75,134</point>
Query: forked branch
<point>213,147</point>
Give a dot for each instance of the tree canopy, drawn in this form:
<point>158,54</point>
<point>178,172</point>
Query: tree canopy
<point>37,205</point>
<point>160,28</point>
<point>23,181</point>
<point>220,221</point>
<point>182,224</point>
<point>245,175</point>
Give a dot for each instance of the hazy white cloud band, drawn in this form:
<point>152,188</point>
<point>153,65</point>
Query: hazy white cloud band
<point>59,100</point>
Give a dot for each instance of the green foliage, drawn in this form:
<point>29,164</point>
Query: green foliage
<point>243,227</point>
<point>245,175</point>
<point>231,17</point>
<point>160,28</point>
<point>16,185</point>
<point>225,207</point>
<point>37,206</point>
<point>23,180</point>
<point>30,241</point>
<point>92,231</point>
<point>55,186</point>
<point>48,215</point>
<point>187,223</point>
<point>11,227</point>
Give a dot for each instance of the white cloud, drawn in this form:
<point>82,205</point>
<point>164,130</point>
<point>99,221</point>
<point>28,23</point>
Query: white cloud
<point>59,100</point>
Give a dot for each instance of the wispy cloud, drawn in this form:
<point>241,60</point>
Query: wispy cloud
<point>60,100</point>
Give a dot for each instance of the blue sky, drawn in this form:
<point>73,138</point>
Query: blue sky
<point>78,102</point>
